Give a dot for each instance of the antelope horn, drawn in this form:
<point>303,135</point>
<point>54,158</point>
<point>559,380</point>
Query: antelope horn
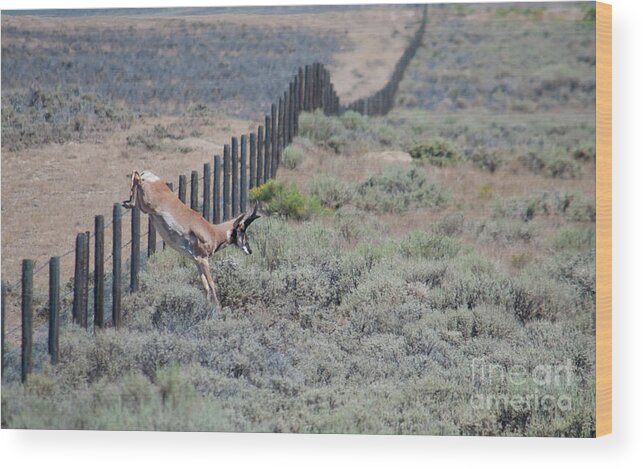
<point>252,217</point>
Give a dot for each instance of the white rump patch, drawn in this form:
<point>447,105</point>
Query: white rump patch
<point>149,176</point>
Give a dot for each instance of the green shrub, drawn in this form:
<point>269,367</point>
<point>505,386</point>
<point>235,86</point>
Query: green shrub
<point>285,200</point>
<point>552,164</point>
<point>292,157</point>
<point>505,232</point>
<point>523,208</point>
<point>582,209</point>
<point>352,120</point>
<point>451,225</point>
<point>438,152</point>
<point>331,191</point>
<point>562,167</point>
<point>398,189</point>
<point>533,297</point>
<point>429,245</point>
<point>584,153</point>
<point>486,159</point>
<point>324,130</point>
<point>574,237</point>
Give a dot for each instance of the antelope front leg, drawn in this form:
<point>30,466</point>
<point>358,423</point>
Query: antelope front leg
<point>136,179</point>
<point>208,282</point>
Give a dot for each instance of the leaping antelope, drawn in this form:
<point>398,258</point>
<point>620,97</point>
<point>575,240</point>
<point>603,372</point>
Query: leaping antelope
<point>186,230</point>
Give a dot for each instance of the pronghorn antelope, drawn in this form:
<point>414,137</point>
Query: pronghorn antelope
<point>186,230</point>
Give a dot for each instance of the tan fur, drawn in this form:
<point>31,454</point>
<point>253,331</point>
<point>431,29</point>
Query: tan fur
<point>181,228</point>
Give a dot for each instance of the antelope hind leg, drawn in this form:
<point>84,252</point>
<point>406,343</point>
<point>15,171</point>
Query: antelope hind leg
<point>136,180</point>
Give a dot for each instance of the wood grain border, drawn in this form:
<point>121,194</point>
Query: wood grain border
<point>603,219</point>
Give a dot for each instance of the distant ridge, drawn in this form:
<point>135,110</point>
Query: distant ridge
<point>192,11</point>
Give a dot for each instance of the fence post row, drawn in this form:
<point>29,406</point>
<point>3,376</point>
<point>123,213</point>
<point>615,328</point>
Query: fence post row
<point>151,238</point>
<point>99,271</point>
<point>279,135</point>
<point>243,182</point>
<point>235,177</point>
<point>78,278</point>
<point>171,187</point>
<point>27,317</point>
<point>116,265</point>
<point>183,181</point>
<point>267,147</point>
<point>54,308</point>
<point>260,152</point>
<point>194,190</point>
<point>273,137</point>
<point>136,248</point>
<point>252,167</point>
<point>227,205</point>
<point>3,324</point>
<point>284,123</point>
<point>85,315</point>
<point>206,190</point>
<point>225,188</point>
<point>216,191</point>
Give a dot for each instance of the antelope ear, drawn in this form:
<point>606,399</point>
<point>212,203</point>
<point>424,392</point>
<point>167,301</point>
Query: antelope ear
<point>237,220</point>
<point>252,217</point>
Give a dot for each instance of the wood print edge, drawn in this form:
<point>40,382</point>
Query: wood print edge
<point>603,219</point>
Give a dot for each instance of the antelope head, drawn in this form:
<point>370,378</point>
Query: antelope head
<point>238,235</point>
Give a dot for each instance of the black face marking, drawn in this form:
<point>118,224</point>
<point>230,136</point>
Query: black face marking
<point>242,241</point>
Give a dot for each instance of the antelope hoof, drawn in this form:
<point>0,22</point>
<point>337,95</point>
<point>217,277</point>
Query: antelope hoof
<point>216,309</point>
<point>127,204</point>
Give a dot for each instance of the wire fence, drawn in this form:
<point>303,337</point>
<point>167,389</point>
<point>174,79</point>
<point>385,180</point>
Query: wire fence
<point>247,162</point>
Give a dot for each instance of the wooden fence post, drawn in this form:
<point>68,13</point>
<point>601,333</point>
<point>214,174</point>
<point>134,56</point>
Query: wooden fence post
<point>286,135</point>
<point>235,177</point>
<point>85,316</point>
<point>183,182</point>
<point>151,237</point>
<point>27,317</point>
<point>216,191</point>
<point>297,104</point>
<point>171,187</point>
<point>194,191</point>
<point>291,111</point>
<point>307,88</point>
<point>260,161</point>
<point>313,83</point>
<point>267,148</point>
<point>54,308</point>
<point>116,265</point>
<point>243,181</point>
<point>85,298</point>
<point>274,146</point>
<point>280,135</point>
<point>227,205</point>
<point>300,91</point>
<point>286,119</point>
<point>136,249</point>
<point>3,324</point>
<point>99,271</point>
<point>252,168</point>
<point>207,179</point>
<point>79,269</point>
<point>322,88</point>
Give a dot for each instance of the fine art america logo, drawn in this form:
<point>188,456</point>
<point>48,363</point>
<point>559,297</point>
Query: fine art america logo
<point>518,388</point>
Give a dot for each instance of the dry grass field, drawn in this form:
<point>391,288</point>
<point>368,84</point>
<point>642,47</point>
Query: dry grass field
<point>426,272</point>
